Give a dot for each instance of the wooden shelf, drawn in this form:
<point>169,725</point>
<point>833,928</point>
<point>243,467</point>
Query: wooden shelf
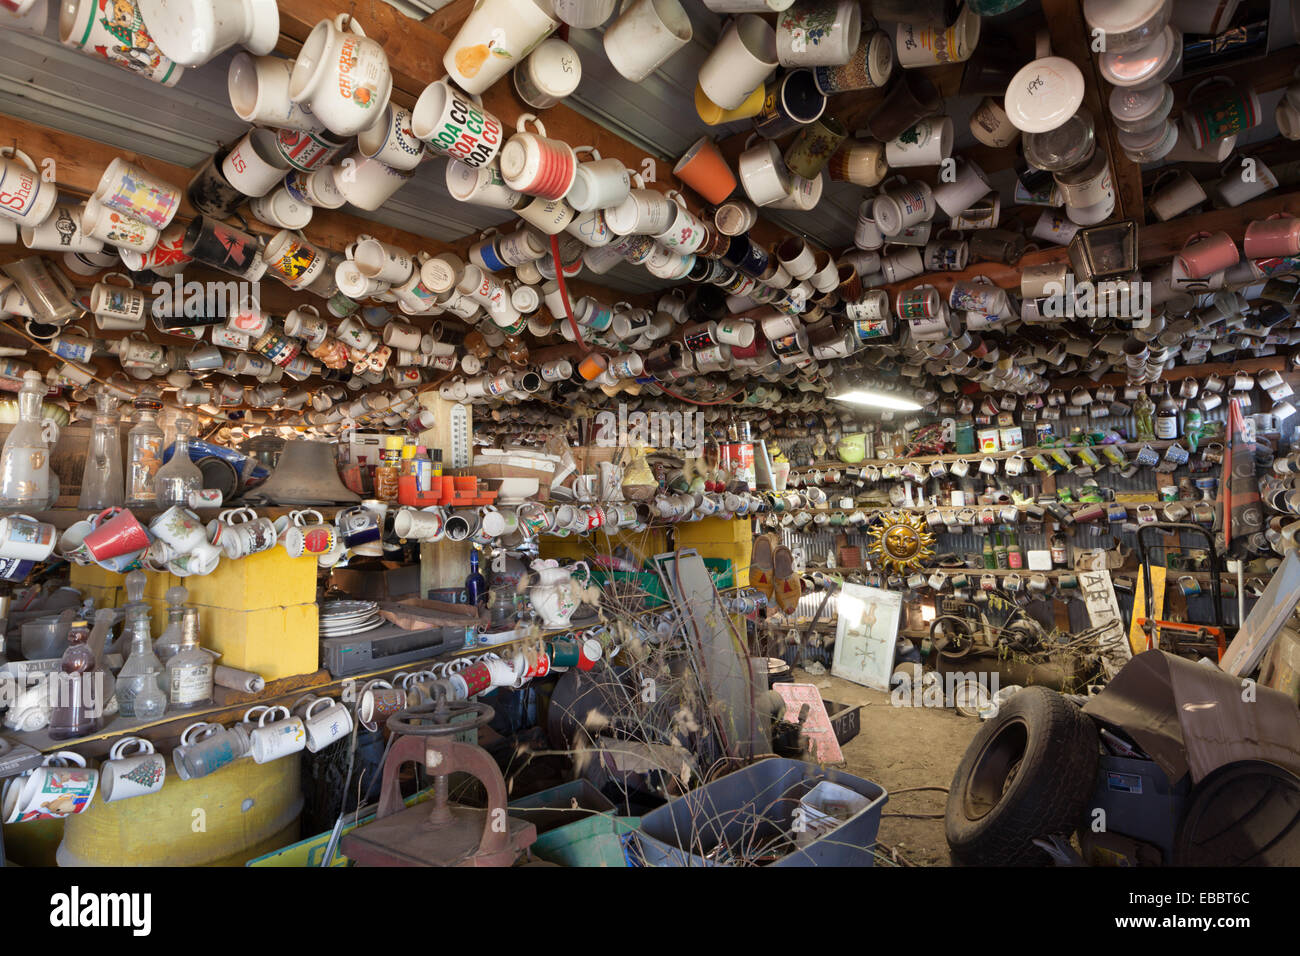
<point>1160,444</point>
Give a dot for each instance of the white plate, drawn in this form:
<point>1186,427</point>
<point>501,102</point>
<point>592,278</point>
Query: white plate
<point>1044,94</point>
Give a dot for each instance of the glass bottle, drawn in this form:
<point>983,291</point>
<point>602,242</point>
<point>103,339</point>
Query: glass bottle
<point>180,476</point>
<point>169,642</point>
<point>25,460</point>
<point>144,443</point>
<point>1167,418</point>
<point>101,481</point>
<point>475,584</point>
<point>990,560</point>
<point>138,692</point>
<point>1015,557</point>
<point>190,670</point>
<point>75,713</point>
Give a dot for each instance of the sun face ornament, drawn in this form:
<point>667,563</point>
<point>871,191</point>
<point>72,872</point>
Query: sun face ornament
<point>901,542</point>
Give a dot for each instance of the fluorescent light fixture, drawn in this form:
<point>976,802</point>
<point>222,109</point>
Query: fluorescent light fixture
<point>860,396</point>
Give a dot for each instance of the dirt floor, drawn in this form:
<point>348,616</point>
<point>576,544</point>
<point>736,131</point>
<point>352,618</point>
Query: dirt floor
<point>903,747</point>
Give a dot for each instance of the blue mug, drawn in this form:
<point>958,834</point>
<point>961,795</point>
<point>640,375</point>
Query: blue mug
<point>358,526</point>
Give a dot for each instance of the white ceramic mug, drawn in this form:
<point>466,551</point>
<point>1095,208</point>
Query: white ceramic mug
<point>367,183</point>
<point>254,165</point>
<point>495,36</point>
<point>763,173</point>
<point>133,769</point>
<point>645,35</point>
<point>279,208</point>
<point>744,57</point>
<point>194,33</point>
<point>61,232</point>
<point>332,722</point>
<point>281,738</point>
<point>453,125</point>
<point>818,33</point>
<point>481,185</point>
<point>258,87</point>
<point>392,140</point>
<point>342,76</point>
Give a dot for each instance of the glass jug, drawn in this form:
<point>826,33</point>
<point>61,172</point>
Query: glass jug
<point>101,481</point>
<point>25,460</point>
<point>144,444</point>
<point>180,476</point>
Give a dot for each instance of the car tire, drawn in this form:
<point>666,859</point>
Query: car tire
<point>1028,773</point>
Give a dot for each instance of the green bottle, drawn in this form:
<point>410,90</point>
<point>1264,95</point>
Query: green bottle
<point>1000,554</point>
<point>990,561</point>
<point>1015,557</point>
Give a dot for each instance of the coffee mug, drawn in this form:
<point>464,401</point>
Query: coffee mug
<point>497,35</point>
<point>645,35</point>
<point>283,737</point>
<point>332,722</point>
<point>451,125</point>
<point>25,198</point>
<point>133,769</point>
<point>743,58</point>
<point>342,76</point>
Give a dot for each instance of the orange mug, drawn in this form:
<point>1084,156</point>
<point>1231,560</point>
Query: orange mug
<point>704,170</point>
<point>593,366</point>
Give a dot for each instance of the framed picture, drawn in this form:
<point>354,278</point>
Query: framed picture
<point>865,635</point>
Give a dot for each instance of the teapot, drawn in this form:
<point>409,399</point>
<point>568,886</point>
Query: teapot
<point>552,595</point>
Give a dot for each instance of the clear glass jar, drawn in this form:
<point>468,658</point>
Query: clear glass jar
<point>144,444</point>
<point>25,459</point>
<point>180,476</point>
<point>1068,146</point>
<point>101,481</point>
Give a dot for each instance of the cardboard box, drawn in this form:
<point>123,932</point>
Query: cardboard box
<point>379,583</point>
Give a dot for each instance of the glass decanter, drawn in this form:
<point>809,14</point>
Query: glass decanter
<point>25,460</point>
<point>144,444</point>
<point>138,691</point>
<point>180,475</point>
<point>190,670</point>
<point>77,709</point>
<point>101,481</point>
<point>169,642</point>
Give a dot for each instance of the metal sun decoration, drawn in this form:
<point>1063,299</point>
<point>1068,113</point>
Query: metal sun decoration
<point>901,541</point>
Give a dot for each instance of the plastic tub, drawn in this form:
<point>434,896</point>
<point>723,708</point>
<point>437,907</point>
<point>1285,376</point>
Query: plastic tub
<point>747,809</point>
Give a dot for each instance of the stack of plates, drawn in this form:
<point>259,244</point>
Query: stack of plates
<point>341,618</point>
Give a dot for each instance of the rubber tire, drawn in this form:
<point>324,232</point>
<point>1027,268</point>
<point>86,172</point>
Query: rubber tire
<point>1055,779</point>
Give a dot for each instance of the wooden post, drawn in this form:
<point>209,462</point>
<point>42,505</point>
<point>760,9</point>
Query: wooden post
<point>443,564</point>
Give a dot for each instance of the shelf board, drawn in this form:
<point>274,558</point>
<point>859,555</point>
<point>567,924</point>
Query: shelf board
<point>1157,443</point>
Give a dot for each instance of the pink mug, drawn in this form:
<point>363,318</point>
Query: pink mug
<point>1277,236</point>
<point>1206,253</point>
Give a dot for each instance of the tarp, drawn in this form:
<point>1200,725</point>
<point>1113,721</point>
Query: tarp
<point>1192,717</point>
